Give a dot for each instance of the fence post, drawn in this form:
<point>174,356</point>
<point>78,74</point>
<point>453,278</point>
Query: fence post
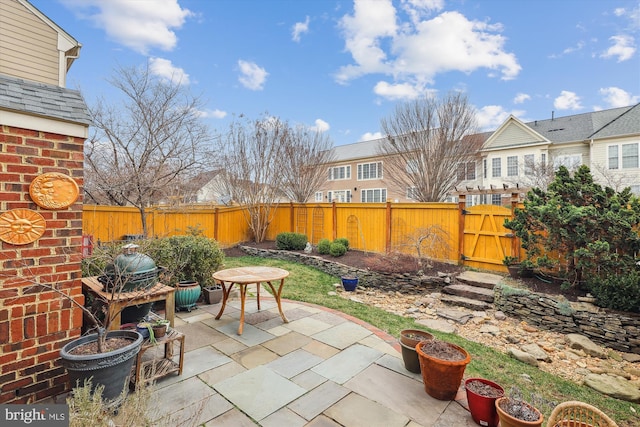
<point>334,220</point>
<point>515,243</point>
<point>292,224</point>
<point>388,229</point>
<point>462,203</point>
<point>215,223</point>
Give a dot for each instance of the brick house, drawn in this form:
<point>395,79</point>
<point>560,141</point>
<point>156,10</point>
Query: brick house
<point>43,126</point>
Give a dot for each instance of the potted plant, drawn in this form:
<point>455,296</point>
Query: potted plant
<point>189,263</point>
<point>349,283</point>
<point>513,411</point>
<point>103,355</point>
<point>442,365</point>
<point>212,294</point>
<point>409,338</point>
<point>513,265</point>
<point>481,397</point>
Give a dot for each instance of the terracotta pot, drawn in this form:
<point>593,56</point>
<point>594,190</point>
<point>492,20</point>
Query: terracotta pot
<point>408,343</point>
<point>483,408</point>
<point>159,330</point>
<point>442,378</point>
<point>507,420</point>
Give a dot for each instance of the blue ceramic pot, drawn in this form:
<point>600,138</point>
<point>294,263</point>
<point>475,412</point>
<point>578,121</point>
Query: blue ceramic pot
<point>349,283</point>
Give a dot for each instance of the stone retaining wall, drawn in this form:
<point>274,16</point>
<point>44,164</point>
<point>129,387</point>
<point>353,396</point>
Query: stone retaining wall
<point>617,330</point>
<point>405,283</point>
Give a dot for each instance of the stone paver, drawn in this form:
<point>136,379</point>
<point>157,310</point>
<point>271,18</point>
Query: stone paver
<point>259,392</point>
<point>342,335</point>
<point>283,418</point>
<point>250,337</point>
<point>254,356</point>
<point>195,362</point>
<point>316,401</point>
<point>233,418</point>
<point>356,411</point>
<point>294,363</point>
<point>287,343</point>
<point>349,362</point>
<point>307,326</point>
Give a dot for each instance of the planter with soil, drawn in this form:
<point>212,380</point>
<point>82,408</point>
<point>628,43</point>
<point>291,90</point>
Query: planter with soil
<point>442,365</point>
<point>517,413</point>
<point>409,338</point>
<point>481,396</point>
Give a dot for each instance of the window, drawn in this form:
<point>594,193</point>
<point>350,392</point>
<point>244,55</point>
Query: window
<point>461,171</point>
<point>466,171</point>
<point>471,170</point>
<point>318,196</point>
<point>369,171</point>
<point>496,168</point>
<point>570,161</point>
<point>374,195</point>
<point>635,189</point>
<point>613,157</point>
<point>512,166</point>
<point>496,199</point>
<point>412,193</point>
<point>339,196</point>
<point>340,172</point>
<point>529,164</point>
<point>629,156</point>
<point>484,168</point>
<point>543,160</point>
<point>412,166</point>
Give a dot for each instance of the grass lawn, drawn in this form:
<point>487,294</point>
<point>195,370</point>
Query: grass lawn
<point>545,390</point>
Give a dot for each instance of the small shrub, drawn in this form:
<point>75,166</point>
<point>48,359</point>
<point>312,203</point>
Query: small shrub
<point>618,292</point>
<point>344,241</point>
<point>291,241</point>
<point>337,249</point>
<point>323,246</point>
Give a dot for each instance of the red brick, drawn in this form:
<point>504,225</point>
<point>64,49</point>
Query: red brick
<point>56,154</point>
<point>18,365</point>
<point>20,169</point>
<point>8,158</point>
<point>27,151</point>
<point>24,132</point>
<point>40,161</point>
<point>29,326</point>
<point>55,136</point>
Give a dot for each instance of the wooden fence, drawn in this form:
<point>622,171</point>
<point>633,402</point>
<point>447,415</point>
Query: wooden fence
<point>474,236</point>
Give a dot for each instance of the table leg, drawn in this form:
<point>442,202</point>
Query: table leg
<point>243,295</point>
<point>277,295</point>
<point>170,308</point>
<point>225,295</point>
<point>115,314</point>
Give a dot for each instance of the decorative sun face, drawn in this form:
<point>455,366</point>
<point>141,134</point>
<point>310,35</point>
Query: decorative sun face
<point>53,190</point>
<point>21,226</point>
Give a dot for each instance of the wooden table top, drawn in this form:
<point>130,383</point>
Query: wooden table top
<point>251,274</point>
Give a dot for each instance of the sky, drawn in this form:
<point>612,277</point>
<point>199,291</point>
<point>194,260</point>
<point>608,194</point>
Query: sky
<point>340,66</point>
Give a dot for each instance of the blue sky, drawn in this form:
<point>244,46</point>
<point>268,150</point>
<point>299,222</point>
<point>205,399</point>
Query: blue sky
<point>341,66</point>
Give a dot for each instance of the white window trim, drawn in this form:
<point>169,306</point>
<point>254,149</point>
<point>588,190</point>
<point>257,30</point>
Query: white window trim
<point>379,171</point>
<point>347,173</point>
<point>347,193</point>
<point>383,195</point>
<point>319,196</point>
<point>510,167</point>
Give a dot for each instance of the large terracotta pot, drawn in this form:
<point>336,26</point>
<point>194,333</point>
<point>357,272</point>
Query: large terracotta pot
<point>507,420</point>
<point>442,378</point>
<point>409,338</point>
<point>483,407</point>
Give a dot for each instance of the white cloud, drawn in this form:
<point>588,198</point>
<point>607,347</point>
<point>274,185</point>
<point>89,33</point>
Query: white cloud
<point>417,9</point>
<point>166,70</point>
<point>252,76</point>
<point>415,52</point>
<point>212,114</point>
<point>623,48</point>
<point>320,126</point>
<point>490,117</point>
<point>520,98</point>
<point>140,25</point>
<point>567,101</point>
<point>397,91</point>
<point>368,136</point>
<point>617,97</point>
<point>299,28</point>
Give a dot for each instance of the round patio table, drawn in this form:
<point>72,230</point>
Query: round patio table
<point>245,276</point>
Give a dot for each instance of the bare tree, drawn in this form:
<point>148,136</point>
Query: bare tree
<point>424,145</point>
<point>536,175</point>
<point>305,153</point>
<point>254,152</point>
<point>143,142</point>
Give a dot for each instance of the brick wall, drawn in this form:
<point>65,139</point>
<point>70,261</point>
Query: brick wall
<point>35,322</point>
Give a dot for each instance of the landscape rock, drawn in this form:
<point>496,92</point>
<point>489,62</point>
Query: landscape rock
<point>522,356</point>
<point>536,351</point>
<point>616,387</point>
<point>581,342</point>
<point>490,329</point>
<point>438,325</point>
<point>631,357</point>
<point>458,316</point>
<point>498,315</point>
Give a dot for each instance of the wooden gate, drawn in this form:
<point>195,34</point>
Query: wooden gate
<point>486,241</point>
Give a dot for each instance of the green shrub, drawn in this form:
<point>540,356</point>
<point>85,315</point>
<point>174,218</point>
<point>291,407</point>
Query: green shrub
<point>187,258</point>
<point>344,241</point>
<point>619,292</point>
<point>337,249</point>
<point>291,241</point>
<point>323,246</point>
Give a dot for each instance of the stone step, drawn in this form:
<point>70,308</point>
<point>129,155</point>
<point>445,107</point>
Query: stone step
<point>483,280</point>
<point>465,302</point>
<point>468,291</point>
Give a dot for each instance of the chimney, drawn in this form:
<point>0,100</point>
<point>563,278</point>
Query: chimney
<point>552,114</point>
